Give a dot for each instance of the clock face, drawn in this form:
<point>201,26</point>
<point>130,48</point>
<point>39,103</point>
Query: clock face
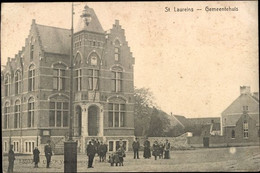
<point>93,60</point>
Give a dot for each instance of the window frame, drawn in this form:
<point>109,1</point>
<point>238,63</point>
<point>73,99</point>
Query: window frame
<point>60,78</point>
<point>117,80</point>
<point>61,110</point>
<point>31,78</point>
<point>17,114</point>
<point>116,112</point>
<point>7,84</point>
<point>6,115</point>
<point>18,82</point>
<point>93,79</point>
<point>78,79</point>
<point>245,129</point>
<point>31,112</point>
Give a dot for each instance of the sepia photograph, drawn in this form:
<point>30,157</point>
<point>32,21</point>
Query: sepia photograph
<point>170,86</point>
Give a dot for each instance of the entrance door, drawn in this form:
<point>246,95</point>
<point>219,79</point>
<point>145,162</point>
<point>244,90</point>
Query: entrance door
<point>206,142</point>
<point>92,121</point>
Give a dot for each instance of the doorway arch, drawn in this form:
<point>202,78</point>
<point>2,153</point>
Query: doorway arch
<point>93,120</point>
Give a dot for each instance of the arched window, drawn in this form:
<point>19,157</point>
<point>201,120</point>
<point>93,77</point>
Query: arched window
<point>116,113</point>
<point>30,118</point>
<point>117,79</point>
<point>6,115</point>
<point>7,84</point>
<point>18,82</point>
<point>233,134</point>
<point>59,77</point>
<point>17,114</point>
<point>31,78</point>
<point>245,129</point>
<point>58,116</point>
<point>117,50</point>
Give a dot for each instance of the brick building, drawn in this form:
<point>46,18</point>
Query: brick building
<point>36,82</point>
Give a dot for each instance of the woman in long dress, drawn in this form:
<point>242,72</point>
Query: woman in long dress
<point>147,150</point>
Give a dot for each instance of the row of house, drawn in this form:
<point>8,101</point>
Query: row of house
<point>237,125</point>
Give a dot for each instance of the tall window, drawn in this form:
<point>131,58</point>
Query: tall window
<point>6,115</point>
<point>116,115</point>
<point>117,50</point>
<point>58,116</point>
<point>31,49</point>
<point>7,84</point>
<point>17,114</point>
<point>31,78</point>
<point>78,79</point>
<point>233,134</point>
<point>18,82</point>
<point>30,119</point>
<point>245,128</point>
<point>117,81</point>
<point>59,78</point>
<point>93,79</point>
<point>16,146</point>
<point>29,146</point>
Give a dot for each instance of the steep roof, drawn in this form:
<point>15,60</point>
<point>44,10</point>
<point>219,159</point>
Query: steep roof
<point>54,40</point>
<point>215,127</point>
<point>231,120</point>
<point>206,120</point>
<point>181,119</point>
<point>93,26</point>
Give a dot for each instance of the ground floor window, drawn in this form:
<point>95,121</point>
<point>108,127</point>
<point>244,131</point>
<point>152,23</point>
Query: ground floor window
<point>114,145</point>
<point>29,146</point>
<point>233,134</point>
<point>16,146</point>
<point>5,146</point>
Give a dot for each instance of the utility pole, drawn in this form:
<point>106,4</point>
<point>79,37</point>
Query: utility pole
<point>70,146</point>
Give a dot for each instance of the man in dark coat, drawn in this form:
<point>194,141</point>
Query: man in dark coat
<point>36,157</point>
<point>136,146</point>
<point>147,150</point>
<point>11,159</point>
<point>91,151</point>
<point>156,150</point>
<point>102,152</point>
<point>48,153</point>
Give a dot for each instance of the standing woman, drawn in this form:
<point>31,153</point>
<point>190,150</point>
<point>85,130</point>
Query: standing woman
<point>147,150</point>
<point>167,150</point>
<point>36,157</point>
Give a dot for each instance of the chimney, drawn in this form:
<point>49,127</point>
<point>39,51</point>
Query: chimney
<point>256,95</point>
<point>117,22</point>
<point>244,89</point>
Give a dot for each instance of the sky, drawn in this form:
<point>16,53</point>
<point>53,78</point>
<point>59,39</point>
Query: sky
<point>193,62</point>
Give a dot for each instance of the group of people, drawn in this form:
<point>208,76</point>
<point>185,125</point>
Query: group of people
<point>95,147</point>
<point>158,149</point>
<point>36,156</point>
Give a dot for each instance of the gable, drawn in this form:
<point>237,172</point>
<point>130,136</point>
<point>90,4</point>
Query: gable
<point>242,100</point>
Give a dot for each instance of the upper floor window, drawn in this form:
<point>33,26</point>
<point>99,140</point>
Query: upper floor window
<point>7,84</point>
<point>245,129</point>
<point>30,118</point>
<point>18,82</point>
<point>117,80</point>
<point>116,115</point>
<point>233,134</point>
<point>117,50</point>
<point>78,79</point>
<point>31,49</point>
<point>31,78</point>
<point>93,76</point>
<point>17,114</point>
<point>59,78</point>
<point>6,115</point>
<point>245,108</point>
<point>58,116</point>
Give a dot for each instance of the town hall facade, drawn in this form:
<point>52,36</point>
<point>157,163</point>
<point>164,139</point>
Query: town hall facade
<point>36,88</point>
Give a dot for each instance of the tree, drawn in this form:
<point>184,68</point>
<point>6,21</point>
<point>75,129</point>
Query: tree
<point>156,127</point>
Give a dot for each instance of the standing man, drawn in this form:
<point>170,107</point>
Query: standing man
<point>91,151</point>
<point>11,159</point>
<point>167,150</point>
<point>48,153</point>
<point>136,146</point>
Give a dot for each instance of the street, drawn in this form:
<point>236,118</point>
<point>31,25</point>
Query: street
<point>203,159</point>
